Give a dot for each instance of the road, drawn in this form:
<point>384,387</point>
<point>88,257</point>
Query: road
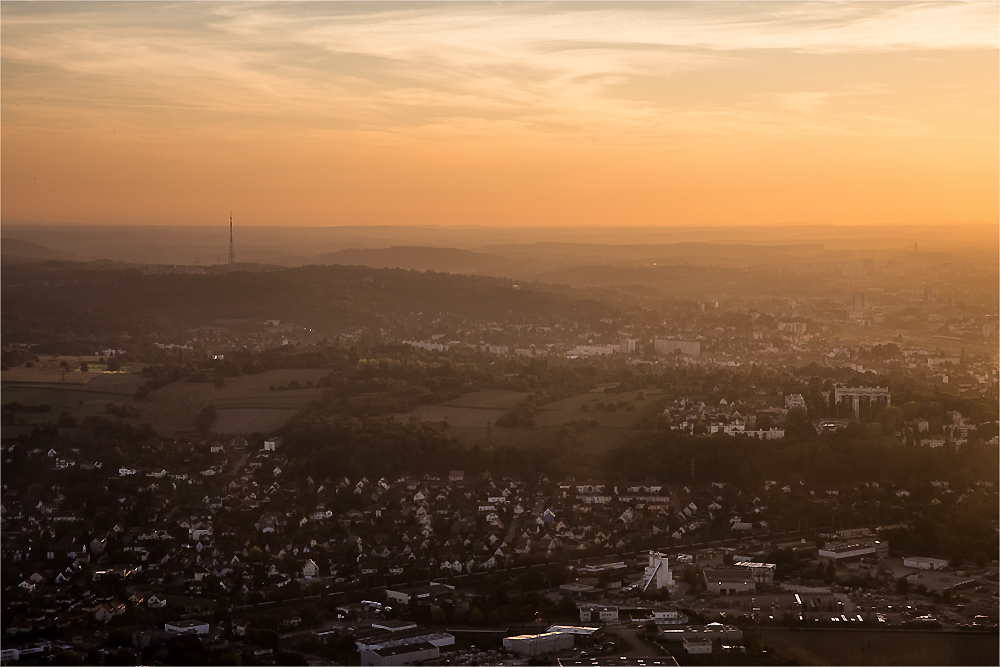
<point>640,648</point>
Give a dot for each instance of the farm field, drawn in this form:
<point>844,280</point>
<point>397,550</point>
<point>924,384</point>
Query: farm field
<point>472,419</point>
<point>866,647</point>
<point>245,405</point>
<point>472,410</point>
<point>48,369</point>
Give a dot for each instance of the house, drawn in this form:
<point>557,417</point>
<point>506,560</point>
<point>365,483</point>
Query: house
<point>156,603</point>
<point>103,613</point>
<point>310,569</point>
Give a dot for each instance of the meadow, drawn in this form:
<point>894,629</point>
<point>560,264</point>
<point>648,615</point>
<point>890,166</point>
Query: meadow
<point>246,404</point>
<point>472,418</point>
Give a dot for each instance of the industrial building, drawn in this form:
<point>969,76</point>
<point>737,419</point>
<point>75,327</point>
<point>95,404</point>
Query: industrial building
<point>729,581</point>
<point>863,547</point>
<point>727,634</point>
<point>922,563</point>
<point>595,612</point>
<point>532,645</point>
<point>618,661</point>
<point>400,655</point>
<point>698,645</point>
<point>419,593</point>
<point>657,574</point>
<point>669,617</point>
<point>763,573</point>
<point>386,634</point>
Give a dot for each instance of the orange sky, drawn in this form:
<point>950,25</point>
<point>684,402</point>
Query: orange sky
<point>499,114</point>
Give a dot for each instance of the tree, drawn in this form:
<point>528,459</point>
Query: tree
<point>124,656</point>
<point>289,658</point>
<point>438,617</point>
<point>203,422</point>
<point>84,368</point>
<point>67,658</point>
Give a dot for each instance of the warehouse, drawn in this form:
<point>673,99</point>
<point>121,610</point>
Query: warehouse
<point>400,655</point>
<point>731,581</point>
<point>532,645</point>
<point>922,563</point>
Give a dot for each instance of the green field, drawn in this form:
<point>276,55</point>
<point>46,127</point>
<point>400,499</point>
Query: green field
<point>868,647</point>
<point>245,405</point>
<point>469,415</point>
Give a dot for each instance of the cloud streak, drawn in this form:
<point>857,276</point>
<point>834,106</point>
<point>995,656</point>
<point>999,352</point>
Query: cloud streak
<point>532,68</point>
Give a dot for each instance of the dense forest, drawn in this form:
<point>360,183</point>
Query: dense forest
<point>54,305</point>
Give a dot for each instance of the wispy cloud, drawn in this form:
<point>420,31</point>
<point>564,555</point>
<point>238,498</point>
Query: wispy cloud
<point>472,68</point>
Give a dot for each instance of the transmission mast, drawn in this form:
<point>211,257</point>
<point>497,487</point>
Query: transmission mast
<point>232,248</point>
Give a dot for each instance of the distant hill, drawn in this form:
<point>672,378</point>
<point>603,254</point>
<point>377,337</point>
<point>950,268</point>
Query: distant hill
<point>418,258</point>
<point>711,253</point>
<point>14,249</point>
<point>103,305</point>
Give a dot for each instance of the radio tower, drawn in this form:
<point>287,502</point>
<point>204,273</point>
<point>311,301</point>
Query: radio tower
<point>232,248</point>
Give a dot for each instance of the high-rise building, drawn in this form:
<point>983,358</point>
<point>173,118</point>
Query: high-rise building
<point>863,402</point>
<point>860,302</point>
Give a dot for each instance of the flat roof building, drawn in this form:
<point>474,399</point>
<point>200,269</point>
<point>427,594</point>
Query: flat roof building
<point>922,563</point>
<point>618,661</point>
<point>729,581</point>
<point>193,627</point>
<point>698,645</point>
<point>400,655</point>
<point>532,645</point>
<point>763,573</point>
<point>419,593</point>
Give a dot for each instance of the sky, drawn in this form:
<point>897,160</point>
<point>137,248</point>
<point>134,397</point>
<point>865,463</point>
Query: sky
<point>503,114</point>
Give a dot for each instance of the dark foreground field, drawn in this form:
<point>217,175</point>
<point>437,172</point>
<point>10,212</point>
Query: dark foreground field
<point>865,647</point>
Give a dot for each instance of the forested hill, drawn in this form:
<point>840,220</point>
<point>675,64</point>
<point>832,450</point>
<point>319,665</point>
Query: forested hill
<point>83,301</point>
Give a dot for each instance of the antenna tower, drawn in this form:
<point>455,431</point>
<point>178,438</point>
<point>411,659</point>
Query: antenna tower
<point>232,248</point>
